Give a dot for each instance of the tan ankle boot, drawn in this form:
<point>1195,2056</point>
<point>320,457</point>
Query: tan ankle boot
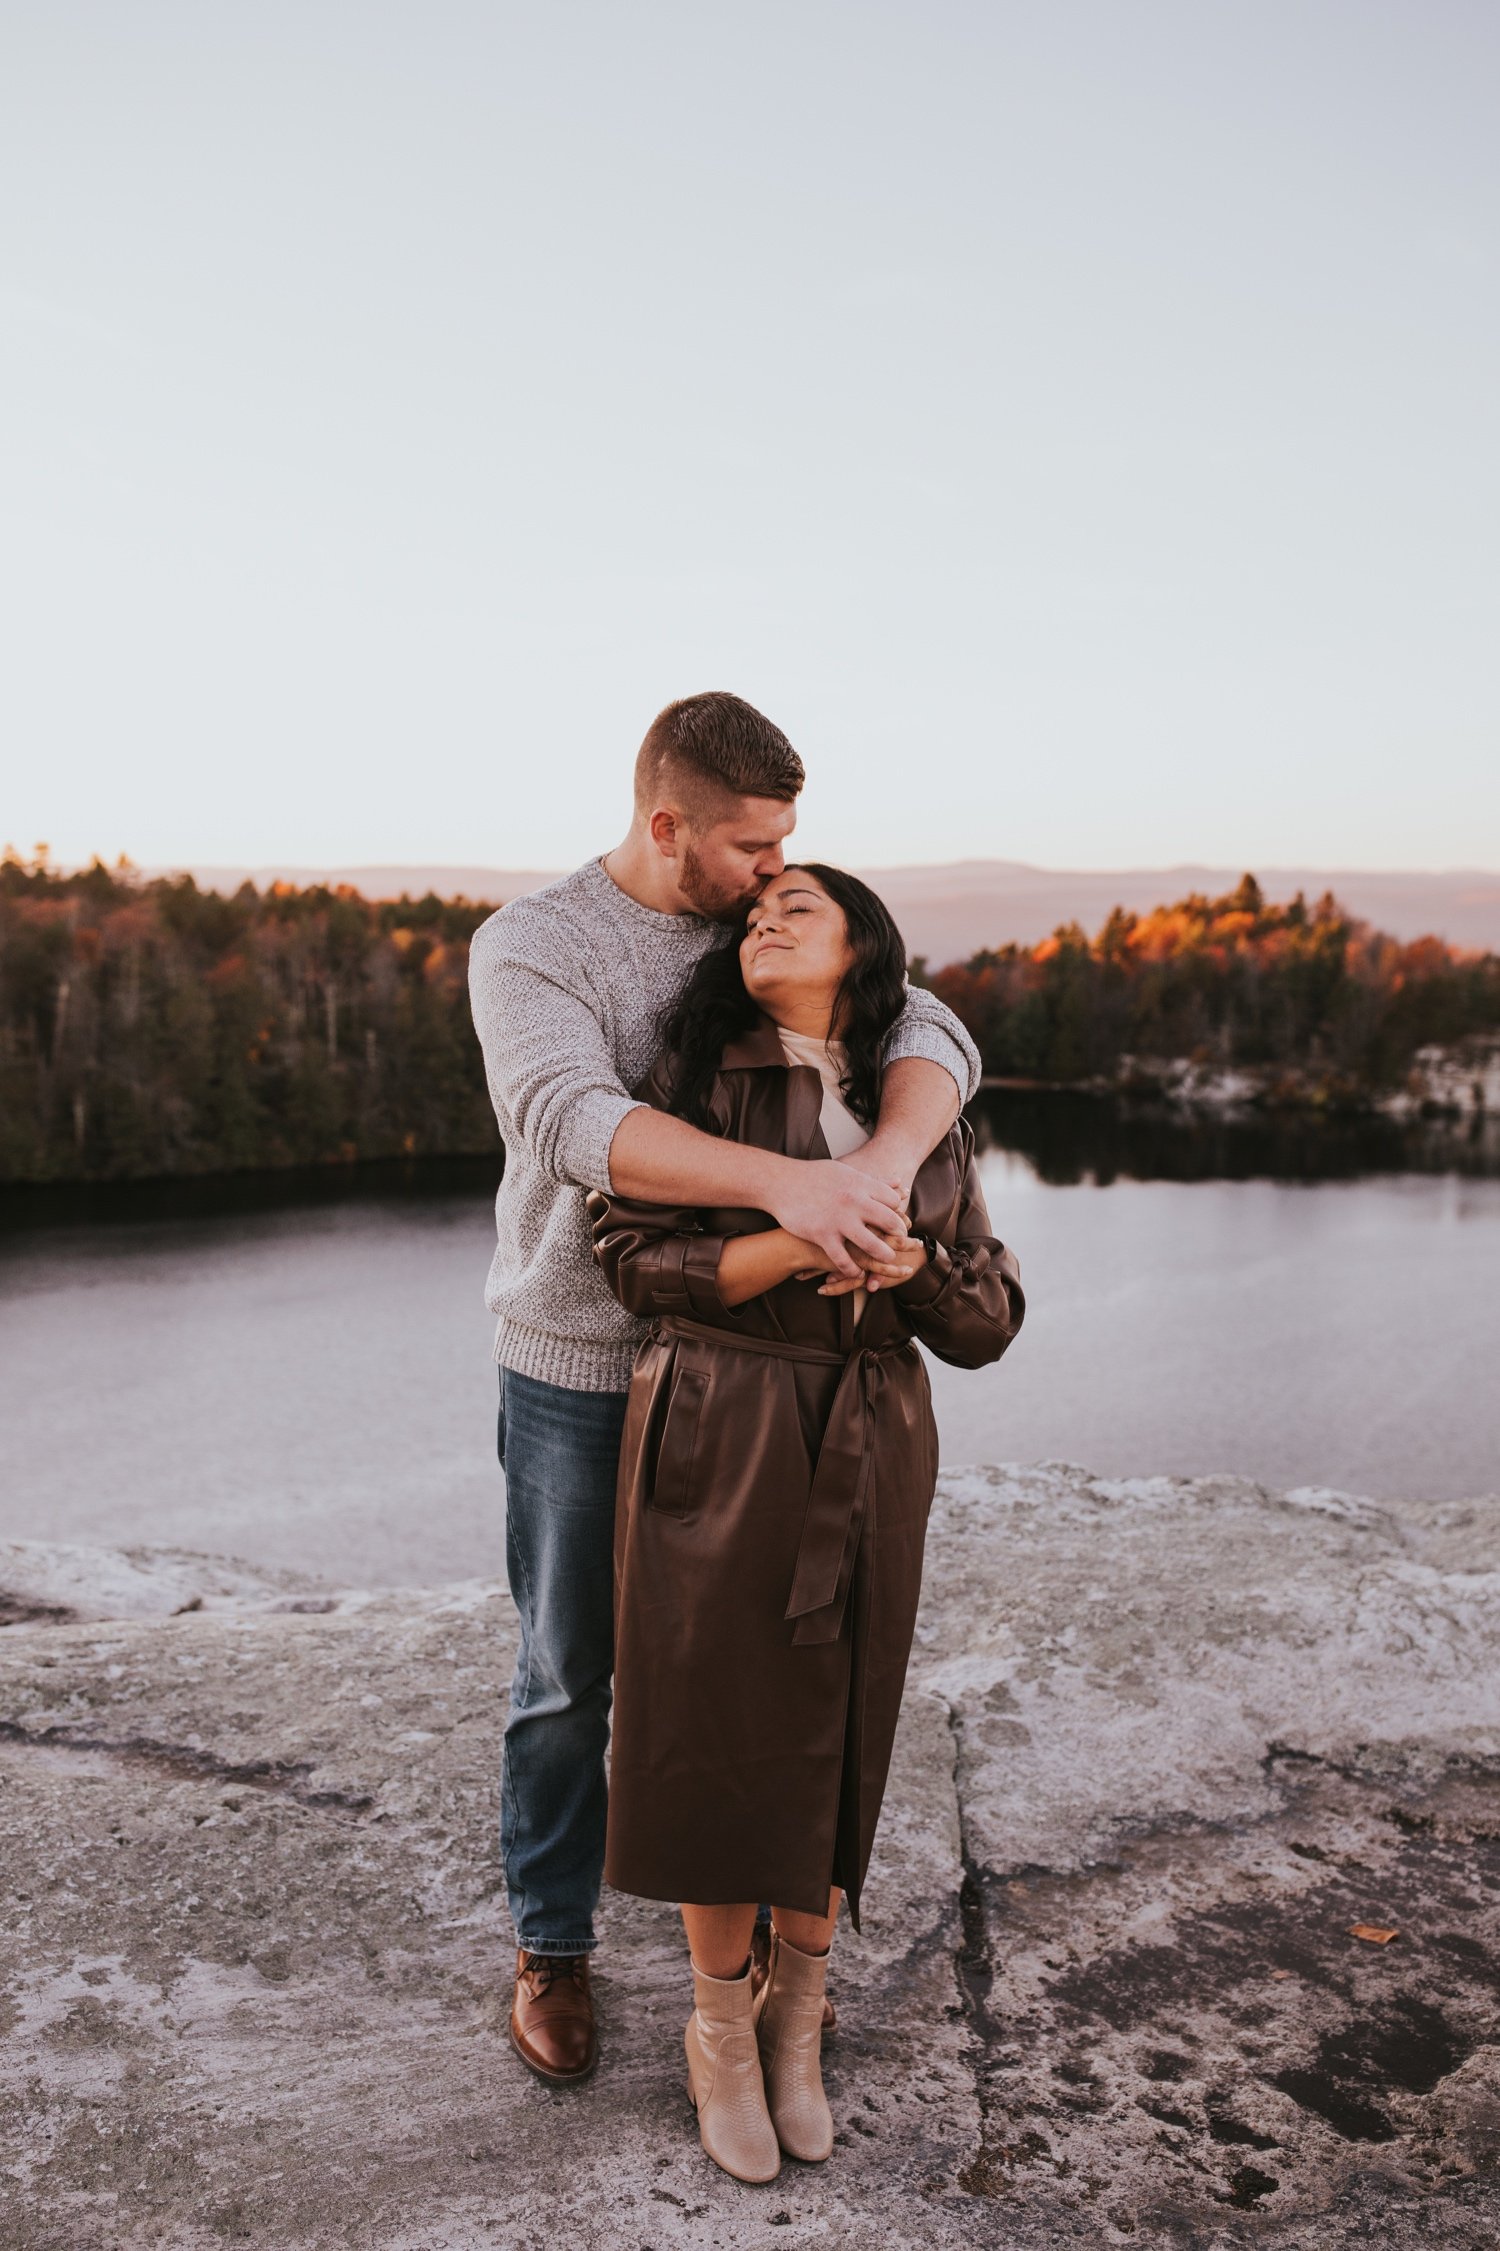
<point>789,2028</point>
<point>724,2080</point>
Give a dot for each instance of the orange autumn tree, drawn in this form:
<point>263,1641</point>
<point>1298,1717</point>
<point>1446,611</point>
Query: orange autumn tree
<point>1233,980</point>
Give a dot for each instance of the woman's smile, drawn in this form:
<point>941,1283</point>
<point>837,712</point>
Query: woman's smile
<point>795,915</point>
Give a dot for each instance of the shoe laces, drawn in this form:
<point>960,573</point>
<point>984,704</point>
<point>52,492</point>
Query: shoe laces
<point>547,1968</point>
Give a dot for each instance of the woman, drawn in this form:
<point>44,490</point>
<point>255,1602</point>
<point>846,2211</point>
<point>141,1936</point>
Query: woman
<point>776,1471</point>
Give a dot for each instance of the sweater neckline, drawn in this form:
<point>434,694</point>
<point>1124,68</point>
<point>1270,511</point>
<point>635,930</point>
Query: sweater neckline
<point>651,918</point>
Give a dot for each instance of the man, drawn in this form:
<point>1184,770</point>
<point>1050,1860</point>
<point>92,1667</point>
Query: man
<point>568,987</point>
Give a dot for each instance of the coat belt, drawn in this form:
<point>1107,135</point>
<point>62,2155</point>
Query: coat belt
<point>840,1488</point>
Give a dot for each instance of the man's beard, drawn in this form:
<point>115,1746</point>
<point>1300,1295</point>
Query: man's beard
<point>715,901</point>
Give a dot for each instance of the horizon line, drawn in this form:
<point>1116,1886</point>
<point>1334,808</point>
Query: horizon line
<point>313,867</point>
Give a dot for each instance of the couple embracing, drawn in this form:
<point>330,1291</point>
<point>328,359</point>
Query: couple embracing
<point>737,1188</point>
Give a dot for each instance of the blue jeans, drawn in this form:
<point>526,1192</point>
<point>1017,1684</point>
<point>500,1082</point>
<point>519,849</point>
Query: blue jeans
<point>560,1450</point>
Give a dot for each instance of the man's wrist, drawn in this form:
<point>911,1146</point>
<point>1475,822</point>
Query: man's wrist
<point>893,1153</point>
<point>771,1174</point>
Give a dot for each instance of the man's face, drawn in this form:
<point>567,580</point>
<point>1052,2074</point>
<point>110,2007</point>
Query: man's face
<point>722,867</point>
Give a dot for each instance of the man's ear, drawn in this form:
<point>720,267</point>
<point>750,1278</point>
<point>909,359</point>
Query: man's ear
<point>666,831</point>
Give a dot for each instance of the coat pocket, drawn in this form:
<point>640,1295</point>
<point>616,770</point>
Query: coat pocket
<point>672,1485</point>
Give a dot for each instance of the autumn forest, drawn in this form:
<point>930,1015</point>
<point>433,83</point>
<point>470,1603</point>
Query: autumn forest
<point>151,1028</point>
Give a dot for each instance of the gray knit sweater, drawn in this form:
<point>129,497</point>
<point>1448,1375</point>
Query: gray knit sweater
<point>568,987</point>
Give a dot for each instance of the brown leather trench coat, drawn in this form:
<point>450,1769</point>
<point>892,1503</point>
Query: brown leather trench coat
<point>776,1472</point>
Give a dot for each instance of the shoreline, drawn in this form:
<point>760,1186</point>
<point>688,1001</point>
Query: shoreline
<point>1376,1139</point>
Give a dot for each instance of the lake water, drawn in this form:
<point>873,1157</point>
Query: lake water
<point>310,1384</point>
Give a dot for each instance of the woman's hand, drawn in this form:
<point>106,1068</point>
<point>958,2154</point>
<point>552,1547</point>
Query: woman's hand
<point>868,1262</point>
<point>907,1256</point>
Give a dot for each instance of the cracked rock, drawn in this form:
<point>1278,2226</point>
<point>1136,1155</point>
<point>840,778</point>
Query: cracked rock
<point>1164,1743</point>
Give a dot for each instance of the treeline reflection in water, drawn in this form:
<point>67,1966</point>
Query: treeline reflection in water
<point>1070,1138</point>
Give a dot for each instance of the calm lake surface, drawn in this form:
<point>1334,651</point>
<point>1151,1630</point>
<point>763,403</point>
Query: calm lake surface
<point>308,1383</point>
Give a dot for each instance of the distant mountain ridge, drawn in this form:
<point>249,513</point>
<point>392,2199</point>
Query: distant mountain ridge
<point>950,911</point>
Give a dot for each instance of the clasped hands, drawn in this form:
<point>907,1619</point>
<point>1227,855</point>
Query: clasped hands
<point>843,1223</point>
<point>906,1254</point>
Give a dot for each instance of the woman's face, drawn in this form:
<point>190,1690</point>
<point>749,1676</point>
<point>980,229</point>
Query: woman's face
<point>795,952</point>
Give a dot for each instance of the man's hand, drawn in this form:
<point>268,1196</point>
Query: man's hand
<point>903,1256</point>
<point>892,1161</point>
<point>846,1211</point>
<point>918,1103</point>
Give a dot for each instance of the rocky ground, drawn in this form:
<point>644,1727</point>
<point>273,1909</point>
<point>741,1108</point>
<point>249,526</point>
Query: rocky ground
<point>1164,1744</point>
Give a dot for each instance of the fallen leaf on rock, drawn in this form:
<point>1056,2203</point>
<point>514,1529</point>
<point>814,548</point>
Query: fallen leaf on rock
<point>1376,1933</point>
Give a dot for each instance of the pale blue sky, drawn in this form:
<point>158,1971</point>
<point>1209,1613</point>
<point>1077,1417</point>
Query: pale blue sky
<point>1074,422</point>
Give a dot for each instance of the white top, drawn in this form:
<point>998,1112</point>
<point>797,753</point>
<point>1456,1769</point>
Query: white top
<point>841,1128</point>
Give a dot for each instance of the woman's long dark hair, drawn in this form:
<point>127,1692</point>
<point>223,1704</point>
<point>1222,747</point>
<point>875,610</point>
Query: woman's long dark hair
<point>715,1007</point>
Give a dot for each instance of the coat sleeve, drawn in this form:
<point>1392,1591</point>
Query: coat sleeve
<point>658,1258</point>
<point>966,1303</point>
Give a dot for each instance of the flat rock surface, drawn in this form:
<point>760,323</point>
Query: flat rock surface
<point>50,1583</point>
<point>1164,1744</point>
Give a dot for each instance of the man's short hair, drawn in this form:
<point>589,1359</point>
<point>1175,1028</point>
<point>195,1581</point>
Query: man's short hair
<point>704,750</point>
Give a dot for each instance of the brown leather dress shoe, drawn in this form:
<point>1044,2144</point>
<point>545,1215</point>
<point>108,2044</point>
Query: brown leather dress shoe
<point>552,2017</point>
<point>760,1970</point>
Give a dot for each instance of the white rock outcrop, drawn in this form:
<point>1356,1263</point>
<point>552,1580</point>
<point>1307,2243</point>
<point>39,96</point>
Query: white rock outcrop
<point>1165,1743</point>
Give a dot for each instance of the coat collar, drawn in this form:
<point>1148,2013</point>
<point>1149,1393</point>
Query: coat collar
<point>756,1049</point>
<point>760,1049</point>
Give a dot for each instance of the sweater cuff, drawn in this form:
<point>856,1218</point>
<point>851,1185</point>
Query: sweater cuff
<point>591,1132</point>
<point>929,1043</point>
<point>928,1281</point>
